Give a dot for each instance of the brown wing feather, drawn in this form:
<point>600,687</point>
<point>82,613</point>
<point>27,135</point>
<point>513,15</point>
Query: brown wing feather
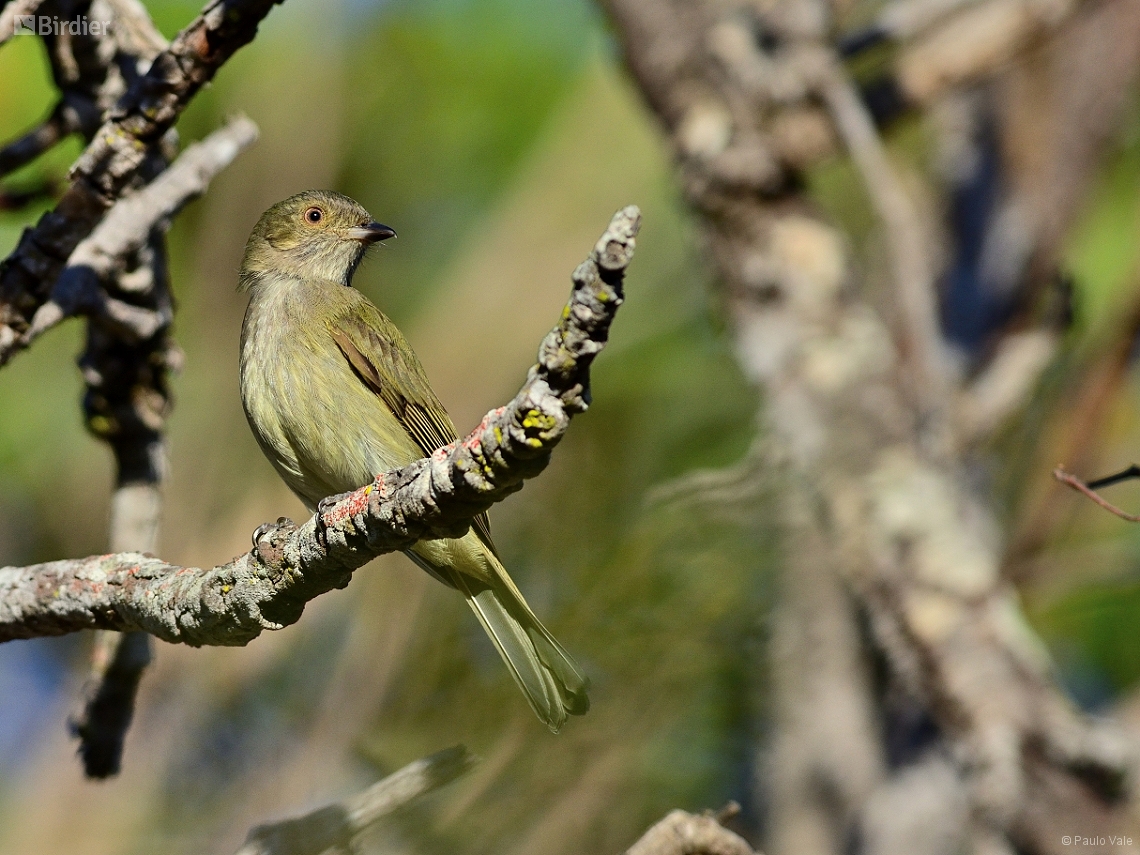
<point>425,420</point>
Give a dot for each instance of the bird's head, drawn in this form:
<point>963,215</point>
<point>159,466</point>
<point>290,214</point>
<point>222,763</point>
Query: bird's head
<point>317,234</point>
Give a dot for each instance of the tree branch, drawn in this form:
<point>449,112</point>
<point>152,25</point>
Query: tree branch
<point>125,365</point>
<point>435,497</point>
<point>331,830</point>
<point>10,12</point>
<point>681,833</point>
<point>1087,490</point>
<point>126,229</point>
<point>116,154</point>
<point>61,122</point>
<point>135,31</point>
<point>910,263</point>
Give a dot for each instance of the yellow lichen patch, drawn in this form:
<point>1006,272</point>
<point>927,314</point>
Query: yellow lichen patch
<point>226,589</point>
<point>536,419</point>
<point>101,425</point>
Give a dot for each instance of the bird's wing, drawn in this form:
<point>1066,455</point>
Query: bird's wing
<point>385,363</point>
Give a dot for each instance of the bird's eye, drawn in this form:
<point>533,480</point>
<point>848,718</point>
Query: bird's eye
<point>314,215</point>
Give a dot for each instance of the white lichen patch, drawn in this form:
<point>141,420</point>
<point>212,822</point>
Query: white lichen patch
<point>918,514</point>
<point>860,348</point>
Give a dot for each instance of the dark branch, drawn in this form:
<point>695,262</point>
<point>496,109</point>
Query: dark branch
<point>436,497</point>
<point>116,155</point>
<point>126,229</point>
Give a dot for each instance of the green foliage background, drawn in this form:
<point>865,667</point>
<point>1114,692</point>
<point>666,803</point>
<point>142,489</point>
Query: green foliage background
<point>497,137</point>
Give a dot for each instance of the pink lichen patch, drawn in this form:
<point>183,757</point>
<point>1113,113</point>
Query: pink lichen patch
<point>356,503</point>
<point>485,424</point>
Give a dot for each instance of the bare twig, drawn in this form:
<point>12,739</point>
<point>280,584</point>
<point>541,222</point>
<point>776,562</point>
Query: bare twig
<point>135,31</point>
<point>117,153</point>
<point>268,587</point>
<point>117,668</point>
<point>900,20</point>
<point>10,12</point>
<point>910,262</point>
<point>127,228</point>
<point>61,122</point>
<point>976,41</point>
<point>1005,386</point>
<point>1072,435</point>
<point>681,833</point>
<point>332,830</point>
<point>1086,489</point>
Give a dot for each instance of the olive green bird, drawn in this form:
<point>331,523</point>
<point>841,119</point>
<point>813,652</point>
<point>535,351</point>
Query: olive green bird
<point>335,395</point>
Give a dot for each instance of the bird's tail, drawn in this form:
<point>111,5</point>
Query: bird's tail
<point>549,677</point>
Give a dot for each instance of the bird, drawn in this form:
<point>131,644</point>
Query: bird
<point>334,396</point>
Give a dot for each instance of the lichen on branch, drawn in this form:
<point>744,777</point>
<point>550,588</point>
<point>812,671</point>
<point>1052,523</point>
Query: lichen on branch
<point>268,587</point>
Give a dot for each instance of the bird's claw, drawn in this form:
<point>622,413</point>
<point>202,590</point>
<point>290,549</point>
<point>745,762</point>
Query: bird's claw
<point>268,546</point>
<point>323,507</point>
<point>260,532</point>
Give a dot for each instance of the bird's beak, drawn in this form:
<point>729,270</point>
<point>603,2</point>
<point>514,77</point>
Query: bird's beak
<point>371,233</point>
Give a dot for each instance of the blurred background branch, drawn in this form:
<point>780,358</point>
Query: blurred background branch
<point>800,576</point>
<point>335,828</point>
<point>876,470</point>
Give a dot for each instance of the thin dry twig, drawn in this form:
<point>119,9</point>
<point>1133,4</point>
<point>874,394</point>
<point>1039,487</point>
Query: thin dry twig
<point>975,41</point>
<point>117,153</point>
<point>127,228</point>
<point>1083,488</point>
<point>910,262</point>
<point>333,829</point>
<point>900,20</point>
<point>1006,385</point>
<point>135,31</point>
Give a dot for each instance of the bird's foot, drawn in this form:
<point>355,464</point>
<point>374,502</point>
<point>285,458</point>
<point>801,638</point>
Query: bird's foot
<point>323,507</point>
<point>268,539</point>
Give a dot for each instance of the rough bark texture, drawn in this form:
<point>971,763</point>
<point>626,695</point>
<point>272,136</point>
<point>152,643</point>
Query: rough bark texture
<point>681,833</point>
<point>120,149</point>
<point>121,91</point>
<point>915,710</point>
<point>435,497</point>
<point>118,278</point>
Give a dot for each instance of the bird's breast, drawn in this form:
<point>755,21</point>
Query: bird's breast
<point>322,428</point>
